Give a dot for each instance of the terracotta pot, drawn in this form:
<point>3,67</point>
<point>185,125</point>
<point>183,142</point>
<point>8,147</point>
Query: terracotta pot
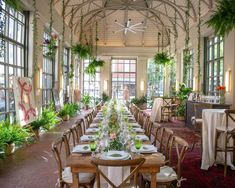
<point>66,118</point>
<point>36,132</point>
<point>10,148</point>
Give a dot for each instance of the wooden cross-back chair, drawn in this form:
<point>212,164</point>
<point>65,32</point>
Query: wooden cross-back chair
<point>77,131</point>
<point>166,136</point>
<point>134,163</point>
<point>166,109</point>
<point>65,175</point>
<point>228,131</point>
<point>68,141</point>
<point>157,135</point>
<point>148,124</point>
<point>171,174</point>
<point>141,117</point>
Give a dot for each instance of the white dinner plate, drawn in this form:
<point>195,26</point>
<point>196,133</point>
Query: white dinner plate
<point>142,137</point>
<point>135,125</point>
<point>92,130</point>
<point>86,138</point>
<point>145,148</point>
<point>84,148</point>
<point>115,155</point>
<point>138,130</point>
<point>93,125</point>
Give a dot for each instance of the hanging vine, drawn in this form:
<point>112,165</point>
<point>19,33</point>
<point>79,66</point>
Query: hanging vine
<point>50,44</point>
<point>186,53</point>
<point>35,37</point>
<point>63,30</point>
<point>2,23</point>
<point>71,72</point>
<point>199,43</point>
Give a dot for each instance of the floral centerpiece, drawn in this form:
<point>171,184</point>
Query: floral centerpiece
<point>50,45</point>
<point>221,91</point>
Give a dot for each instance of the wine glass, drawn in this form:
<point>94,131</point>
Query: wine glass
<point>138,144</point>
<point>93,148</point>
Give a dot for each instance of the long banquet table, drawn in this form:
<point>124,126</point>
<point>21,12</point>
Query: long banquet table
<point>80,163</point>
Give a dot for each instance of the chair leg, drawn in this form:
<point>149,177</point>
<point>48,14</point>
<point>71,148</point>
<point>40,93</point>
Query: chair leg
<point>225,157</point>
<point>216,137</point>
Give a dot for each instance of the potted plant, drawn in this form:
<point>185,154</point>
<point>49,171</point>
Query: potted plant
<point>91,68</point>
<point>64,112</point>
<point>182,96</point>
<point>140,102</point>
<point>105,97</point>
<point>11,135</point>
<point>83,51</point>
<point>86,99</point>
<point>223,19</point>
<point>162,58</point>
<point>46,120</point>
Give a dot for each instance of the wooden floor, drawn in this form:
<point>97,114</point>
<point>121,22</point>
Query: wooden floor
<point>33,166</point>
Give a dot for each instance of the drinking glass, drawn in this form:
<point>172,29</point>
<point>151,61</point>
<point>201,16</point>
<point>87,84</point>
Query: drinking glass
<point>93,148</point>
<point>138,144</point>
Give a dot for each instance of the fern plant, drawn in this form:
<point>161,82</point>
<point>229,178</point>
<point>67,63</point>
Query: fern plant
<point>83,51</point>
<point>223,19</point>
<point>162,58</point>
<point>93,65</point>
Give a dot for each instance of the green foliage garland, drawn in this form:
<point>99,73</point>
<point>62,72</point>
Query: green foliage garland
<point>186,52</point>
<point>199,43</point>
<point>35,36</point>
<point>15,4</point>
<point>139,101</point>
<point>223,19</point>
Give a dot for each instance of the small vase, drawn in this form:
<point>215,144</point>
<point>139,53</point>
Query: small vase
<point>10,148</point>
<point>222,97</point>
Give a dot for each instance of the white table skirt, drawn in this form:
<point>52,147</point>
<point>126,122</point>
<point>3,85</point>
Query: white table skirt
<point>156,110</point>
<point>213,118</point>
<point>118,174</point>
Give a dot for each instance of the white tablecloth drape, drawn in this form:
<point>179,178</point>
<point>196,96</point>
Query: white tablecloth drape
<point>156,110</point>
<point>213,118</point>
<point>118,174</point>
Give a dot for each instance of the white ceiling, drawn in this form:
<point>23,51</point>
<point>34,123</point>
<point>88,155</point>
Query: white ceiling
<point>158,16</point>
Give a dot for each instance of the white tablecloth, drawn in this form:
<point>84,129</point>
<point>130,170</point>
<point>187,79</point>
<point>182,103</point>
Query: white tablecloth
<point>156,110</point>
<point>213,118</point>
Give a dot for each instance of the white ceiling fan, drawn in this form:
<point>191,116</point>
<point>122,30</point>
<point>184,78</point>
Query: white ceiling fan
<point>138,27</point>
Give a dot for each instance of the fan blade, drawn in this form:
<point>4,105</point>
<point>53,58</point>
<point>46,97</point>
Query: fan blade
<point>136,24</point>
<point>131,30</point>
<point>119,24</point>
<point>128,23</point>
<point>118,31</point>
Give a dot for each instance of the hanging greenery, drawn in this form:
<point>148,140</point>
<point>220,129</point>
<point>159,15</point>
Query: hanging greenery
<point>199,42</point>
<point>35,36</point>
<point>51,46</point>
<point>51,43</point>
<point>71,71</point>
<point>186,52</point>
<point>162,58</point>
<point>83,51</point>
<point>15,4</point>
<point>223,19</point>
<point>93,65</point>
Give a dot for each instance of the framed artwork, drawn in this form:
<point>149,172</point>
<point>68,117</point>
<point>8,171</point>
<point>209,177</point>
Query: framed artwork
<point>24,100</point>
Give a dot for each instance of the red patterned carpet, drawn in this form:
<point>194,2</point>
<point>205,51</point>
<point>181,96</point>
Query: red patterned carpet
<point>197,178</point>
